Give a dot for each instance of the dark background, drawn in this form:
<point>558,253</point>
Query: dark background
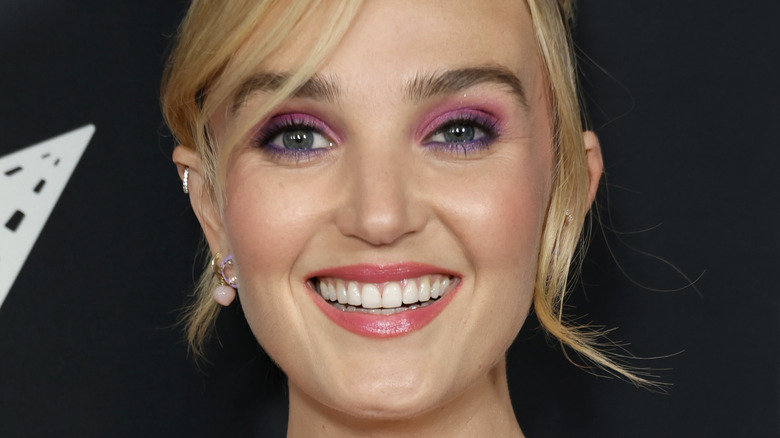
<point>683,95</point>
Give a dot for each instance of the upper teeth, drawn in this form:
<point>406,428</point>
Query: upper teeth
<point>387,295</point>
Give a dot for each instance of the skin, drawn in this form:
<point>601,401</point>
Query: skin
<point>382,196</point>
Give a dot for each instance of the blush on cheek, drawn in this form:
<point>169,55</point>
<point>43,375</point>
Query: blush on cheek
<point>251,227</point>
<point>516,239</point>
<point>511,213</point>
<point>269,216</point>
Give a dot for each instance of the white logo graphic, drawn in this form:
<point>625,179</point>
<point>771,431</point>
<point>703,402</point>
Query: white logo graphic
<point>31,182</point>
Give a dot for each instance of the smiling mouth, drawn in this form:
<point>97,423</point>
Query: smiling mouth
<point>386,298</point>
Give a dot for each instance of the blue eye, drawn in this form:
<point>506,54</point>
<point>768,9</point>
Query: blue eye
<point>458,132</point>
<point>293,137</point>
<point>463,134</point>
<point>299,138</point>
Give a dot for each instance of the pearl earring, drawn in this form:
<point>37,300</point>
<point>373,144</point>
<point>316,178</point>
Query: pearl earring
<point>225,270</point>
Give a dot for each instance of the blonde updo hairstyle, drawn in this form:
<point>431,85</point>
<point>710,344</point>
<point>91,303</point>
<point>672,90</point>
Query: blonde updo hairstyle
<point>203,72</point>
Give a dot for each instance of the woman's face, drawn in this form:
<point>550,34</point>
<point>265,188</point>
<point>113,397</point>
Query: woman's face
<point>416,162</point>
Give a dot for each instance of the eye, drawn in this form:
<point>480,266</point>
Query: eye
<point>297,138</point>
<point>463,132</point>
<point>294,137</point>
<point>457,132</point>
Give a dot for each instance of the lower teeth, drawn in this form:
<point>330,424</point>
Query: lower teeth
<point>380,311</point>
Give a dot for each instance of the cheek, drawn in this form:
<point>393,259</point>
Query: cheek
<point>500,215</point>
<point>502,203</point>
<point>267,219</point>
<point>510,224</point>
<point>254,223</point>
<point>508,255</point>
<point>498,218</point>
<point>268,224</point>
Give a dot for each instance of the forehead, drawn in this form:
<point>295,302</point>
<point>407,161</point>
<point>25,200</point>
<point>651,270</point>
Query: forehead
<point>391,39</point>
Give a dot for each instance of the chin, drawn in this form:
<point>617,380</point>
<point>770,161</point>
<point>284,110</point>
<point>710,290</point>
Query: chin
<point>392,408</point>
<point>400,397</point>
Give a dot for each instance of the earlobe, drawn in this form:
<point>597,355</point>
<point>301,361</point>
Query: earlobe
<point>595,163</point>
<point>188,162</point>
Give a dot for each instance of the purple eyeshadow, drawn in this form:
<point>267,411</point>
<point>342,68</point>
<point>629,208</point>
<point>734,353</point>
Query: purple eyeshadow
<point>471,120</point>
<point>285,124</point>
<point>450,126</point>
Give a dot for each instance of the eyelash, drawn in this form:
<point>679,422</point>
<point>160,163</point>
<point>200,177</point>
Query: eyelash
<point>488,126</point>
<point>286,124</point>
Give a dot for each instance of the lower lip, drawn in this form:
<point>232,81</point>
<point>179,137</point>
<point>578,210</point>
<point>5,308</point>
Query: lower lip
<point>384,326</point>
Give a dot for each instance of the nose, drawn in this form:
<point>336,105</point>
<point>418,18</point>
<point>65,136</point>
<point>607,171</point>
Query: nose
<point>382,195</point>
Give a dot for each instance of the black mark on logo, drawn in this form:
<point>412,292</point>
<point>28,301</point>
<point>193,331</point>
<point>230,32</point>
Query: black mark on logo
<point>13,171</point>
<point>15,220</point>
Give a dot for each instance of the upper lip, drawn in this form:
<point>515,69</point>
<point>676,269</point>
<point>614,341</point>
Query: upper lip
<point>370,273</point>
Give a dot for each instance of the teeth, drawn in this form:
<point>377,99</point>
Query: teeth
<point>324,291</point>
<point>331,292</point>
<point>370,297</point>
<point>411,295</point>
<point>435,289</point>
<point>425,289</point>
<point>353,294</point>
<point>384,298</point>
<point>391,296</point>
<point>341,292</point>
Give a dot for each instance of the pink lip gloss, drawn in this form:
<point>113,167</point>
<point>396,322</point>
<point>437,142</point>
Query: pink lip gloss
<point>382,326</point>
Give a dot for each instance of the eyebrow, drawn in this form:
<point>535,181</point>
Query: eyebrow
<point>317,87</point>
<point>425,86</point>
<point>421,87</point>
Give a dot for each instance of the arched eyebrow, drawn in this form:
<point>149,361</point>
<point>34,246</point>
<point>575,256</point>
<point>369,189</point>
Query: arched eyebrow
<point>421,87</point>
<point>426,86</point>
<point>317,87</point>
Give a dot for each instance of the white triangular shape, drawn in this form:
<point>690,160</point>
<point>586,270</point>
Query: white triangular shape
<point>31,182</point>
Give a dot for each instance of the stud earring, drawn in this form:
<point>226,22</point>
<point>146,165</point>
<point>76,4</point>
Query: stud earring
<point>184,180</point>
<point>225,270</point>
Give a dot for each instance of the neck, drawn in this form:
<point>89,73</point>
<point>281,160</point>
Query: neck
<point>484,409</point>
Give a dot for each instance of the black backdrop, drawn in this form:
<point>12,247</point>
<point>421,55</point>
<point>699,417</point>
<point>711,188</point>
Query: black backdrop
<point>683,95</point>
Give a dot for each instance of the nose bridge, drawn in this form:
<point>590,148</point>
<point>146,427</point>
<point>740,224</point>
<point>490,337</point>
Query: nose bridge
<point>380,203</point>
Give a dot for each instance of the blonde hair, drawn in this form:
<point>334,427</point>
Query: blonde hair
<point>202,73</point>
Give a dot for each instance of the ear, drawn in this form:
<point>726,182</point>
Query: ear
<point>205,209</point>
<point>595,163</point>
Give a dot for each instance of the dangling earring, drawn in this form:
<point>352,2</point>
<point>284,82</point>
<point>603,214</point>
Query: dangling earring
<point>225,270</point>
<point>569,216</point>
